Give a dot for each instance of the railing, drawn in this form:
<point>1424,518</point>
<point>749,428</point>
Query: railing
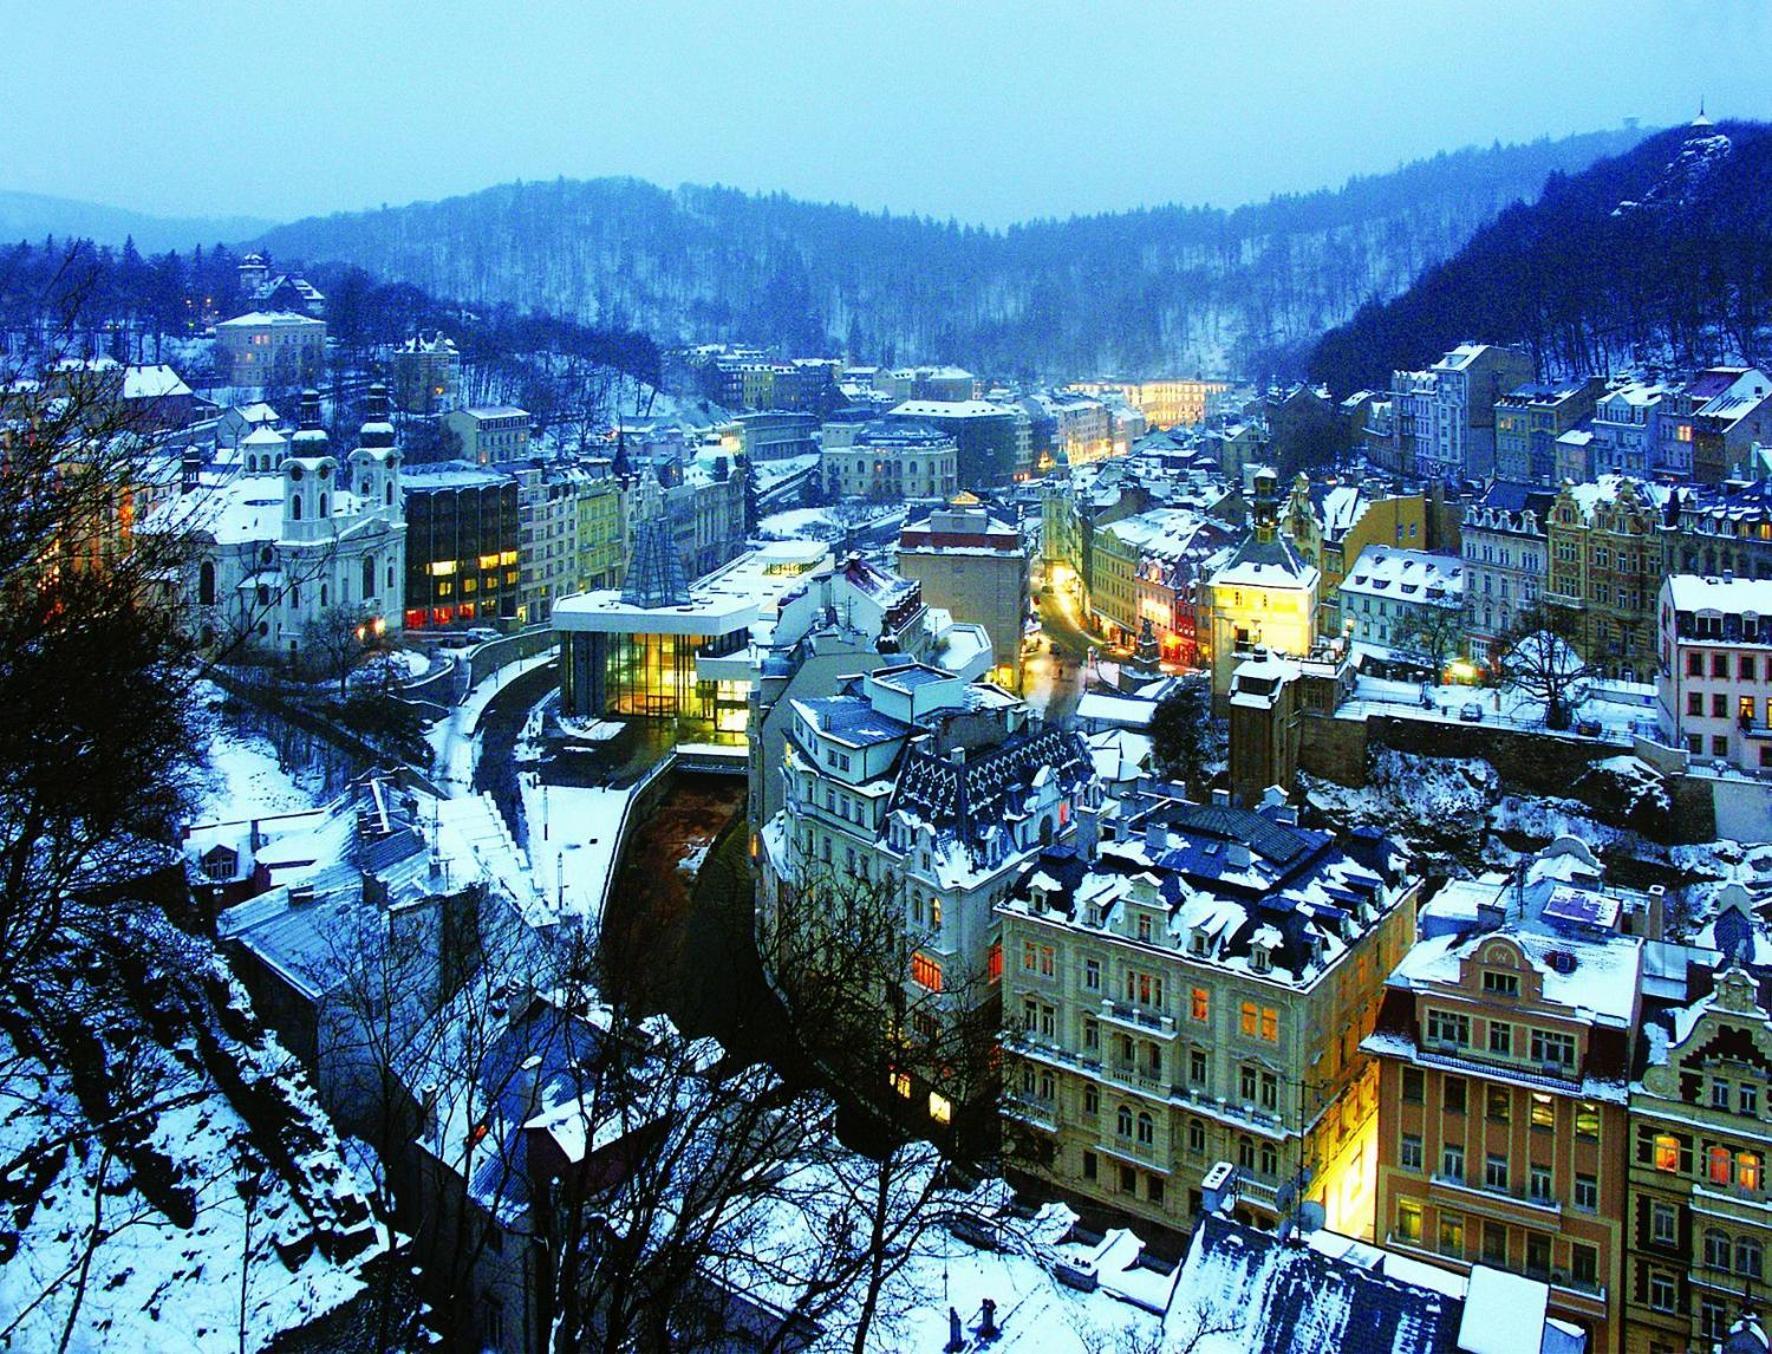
<point>1140,1017</point>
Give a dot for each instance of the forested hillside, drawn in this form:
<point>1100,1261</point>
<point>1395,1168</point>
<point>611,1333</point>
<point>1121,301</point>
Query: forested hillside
<point>1660,255</point>
<point>1174,289</point>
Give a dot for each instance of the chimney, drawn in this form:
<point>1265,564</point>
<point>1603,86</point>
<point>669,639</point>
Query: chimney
<point>1218,1188</point>
<point>1221,799</point>
<point>1089,834</point>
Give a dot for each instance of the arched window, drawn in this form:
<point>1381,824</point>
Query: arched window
<point>324,594</point>
<point>1147,1128</point>
<point>1124,1122</point>
<point>388,493</point>
<point>368,576</point>
<point>295,507</point>
<point>323,505</point>
<point>1716,1248</point>
<point>206,583</point>
<point>390,577</point>
<point>1246,1153</point>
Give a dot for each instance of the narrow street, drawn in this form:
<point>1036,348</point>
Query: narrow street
<point>1053,675</point>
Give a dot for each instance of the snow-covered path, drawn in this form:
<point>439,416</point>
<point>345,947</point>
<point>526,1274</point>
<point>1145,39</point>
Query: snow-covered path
<point>453,740</point>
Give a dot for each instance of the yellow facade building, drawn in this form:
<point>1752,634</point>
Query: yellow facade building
<point>1263,596</point>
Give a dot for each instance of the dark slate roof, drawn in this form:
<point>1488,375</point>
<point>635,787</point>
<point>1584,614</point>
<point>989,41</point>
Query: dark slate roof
<point>971,796</point>
<point>565,1044</point>
<point>1297,1298</point>
<point>854,720</point>
<point>1512,496</point>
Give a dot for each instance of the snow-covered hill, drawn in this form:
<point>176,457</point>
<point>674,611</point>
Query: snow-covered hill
<point>1174,289</point>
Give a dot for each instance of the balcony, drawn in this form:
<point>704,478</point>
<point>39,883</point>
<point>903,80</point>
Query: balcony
<point>1130,1149</point>
<point>1475,1196</point>
<point>1140,1018</point>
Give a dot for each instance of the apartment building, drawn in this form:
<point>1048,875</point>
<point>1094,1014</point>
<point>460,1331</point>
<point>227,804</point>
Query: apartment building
<point>1390,597</point>
<point>943,790</point>
<point>973,567</point>
<point>1736,414</point>
<point>1448,411</point>
<point>426,374</point>
<point>602,537</point>
<point>1506,553</point>
<point>1700,1223</point>
<point>1332,521</point>
<point>490,434</point>
<point>271,348</point>
<point>1152,567</point>
<point>1714,675</point>
<point>1605,552</point>
<point>1197,992</point>
<point>1505,1041</point>
<point>1719,529</point>
<point>1531,417</point>
<point>1626,429</point>
<point>547,538</point>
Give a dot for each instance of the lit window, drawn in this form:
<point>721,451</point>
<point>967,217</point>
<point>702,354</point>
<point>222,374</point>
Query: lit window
<point>1720,1165</point>
<point>1202,1004</point>
<point>925,972</point>
<point>1408,1220</point>
<point>1667,1152</point>
<point>1747,1170</point>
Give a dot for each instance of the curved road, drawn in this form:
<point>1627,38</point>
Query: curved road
<point>500,725</point>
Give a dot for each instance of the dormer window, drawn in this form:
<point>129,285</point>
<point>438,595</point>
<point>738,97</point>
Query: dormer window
<point>1197,942</point>
<point>1261,959</point>
<point>1144,929</point>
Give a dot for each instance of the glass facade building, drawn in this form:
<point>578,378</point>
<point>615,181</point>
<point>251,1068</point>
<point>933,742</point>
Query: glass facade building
<point>651,676</point>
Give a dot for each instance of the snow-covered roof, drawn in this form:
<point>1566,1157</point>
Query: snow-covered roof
<point>276,319</point>
<point>1729,597</point>
<point>152,383</point>
<point>950,409</point>
<point>1406,576</point>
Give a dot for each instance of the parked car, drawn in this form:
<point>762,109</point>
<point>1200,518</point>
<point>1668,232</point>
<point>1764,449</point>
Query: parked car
<point>1588,728</point>
<point>1471,713</point>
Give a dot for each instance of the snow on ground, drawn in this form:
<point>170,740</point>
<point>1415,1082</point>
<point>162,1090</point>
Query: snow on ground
<point>1622,709</point>
<point>403,665</point>
<point>245,781</point>
<point>452,740</point>
<point>572,834</point>
<point>154,1285</point>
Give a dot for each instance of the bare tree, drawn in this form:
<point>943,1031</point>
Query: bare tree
<point>340,640</point>
<point>1435,634</point>
<point>1539,658</point>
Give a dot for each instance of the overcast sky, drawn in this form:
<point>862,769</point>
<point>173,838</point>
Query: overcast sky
<point>987,112</point>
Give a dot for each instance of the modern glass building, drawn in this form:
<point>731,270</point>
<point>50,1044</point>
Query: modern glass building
<point>659,649</point>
